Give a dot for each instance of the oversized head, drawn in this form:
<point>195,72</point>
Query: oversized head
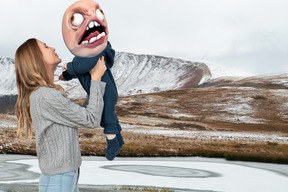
<point>84,28</point>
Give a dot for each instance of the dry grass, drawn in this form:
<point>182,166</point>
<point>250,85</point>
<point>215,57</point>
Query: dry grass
<point>92,142</point>
<point>223,107</point>
<point>209,106</point>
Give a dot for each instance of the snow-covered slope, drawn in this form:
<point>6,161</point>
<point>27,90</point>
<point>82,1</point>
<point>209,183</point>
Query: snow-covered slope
<point>220,71</point>
<point>148,73</point>
<point>7,77</point>
<point>134,74</point>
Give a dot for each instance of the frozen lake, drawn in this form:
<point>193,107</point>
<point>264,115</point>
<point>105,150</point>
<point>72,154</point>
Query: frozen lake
<point>181,174</point>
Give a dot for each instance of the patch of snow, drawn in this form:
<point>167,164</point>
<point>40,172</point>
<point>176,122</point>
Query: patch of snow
<point>7,125</point>
<point>183,115</point>
<point>279,92</point>
<point>280,82</point>
<point>243,119</point>
<point>127,126</point>
<point>240,109</point>
<point>240,88</point>
<point>122,102</point>
<point>150,99</point>
<point>8,121</point>
<point>212,135</point>
<point>237,111</point>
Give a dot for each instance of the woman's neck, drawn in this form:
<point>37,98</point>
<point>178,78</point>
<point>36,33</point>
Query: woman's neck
<point>51,74</point>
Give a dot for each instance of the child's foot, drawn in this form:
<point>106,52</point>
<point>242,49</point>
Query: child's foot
<point>112,148</point>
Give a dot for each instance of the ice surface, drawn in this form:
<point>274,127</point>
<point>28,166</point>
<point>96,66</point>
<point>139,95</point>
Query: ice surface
<point>214,176</point>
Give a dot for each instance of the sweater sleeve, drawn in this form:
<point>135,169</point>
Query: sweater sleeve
<point>59,109</point>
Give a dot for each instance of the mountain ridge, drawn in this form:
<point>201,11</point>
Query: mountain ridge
<point>133,74</point>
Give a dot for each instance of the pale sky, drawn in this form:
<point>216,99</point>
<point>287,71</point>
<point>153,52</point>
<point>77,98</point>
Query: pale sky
<point>249,35</point>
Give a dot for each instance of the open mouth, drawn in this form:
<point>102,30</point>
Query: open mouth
<point>94,32</point>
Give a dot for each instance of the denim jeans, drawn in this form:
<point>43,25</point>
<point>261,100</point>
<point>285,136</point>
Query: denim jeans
<point>64,182</point>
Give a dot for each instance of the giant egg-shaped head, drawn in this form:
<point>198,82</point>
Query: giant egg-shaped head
<point>84,28</point>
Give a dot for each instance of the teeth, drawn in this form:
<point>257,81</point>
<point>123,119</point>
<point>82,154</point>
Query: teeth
<point>96,23</point>
<point>93,39</point>
<point>92,24</point>
<point>99,36</point>
<point>84,42</point>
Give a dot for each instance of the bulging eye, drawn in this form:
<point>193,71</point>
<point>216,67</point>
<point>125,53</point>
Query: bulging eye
<point>100,14</point>
<point>76,19</point>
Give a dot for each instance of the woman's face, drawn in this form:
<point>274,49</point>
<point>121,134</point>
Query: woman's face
<point>49,55</point>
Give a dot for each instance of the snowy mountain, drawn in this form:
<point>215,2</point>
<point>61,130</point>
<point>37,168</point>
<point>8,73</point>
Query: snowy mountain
<point>148,73</point>
<point>7,74</point>
<point>134,74</point>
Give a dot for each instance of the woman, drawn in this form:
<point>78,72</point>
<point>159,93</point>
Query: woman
<point>44,105</point>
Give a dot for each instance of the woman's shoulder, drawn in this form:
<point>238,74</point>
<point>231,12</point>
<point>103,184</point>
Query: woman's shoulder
<point>45,92</point>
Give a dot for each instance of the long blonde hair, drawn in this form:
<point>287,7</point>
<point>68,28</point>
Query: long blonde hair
<point>31,73</point>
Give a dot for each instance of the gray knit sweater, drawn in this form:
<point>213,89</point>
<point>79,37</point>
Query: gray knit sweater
<point>56,120</point>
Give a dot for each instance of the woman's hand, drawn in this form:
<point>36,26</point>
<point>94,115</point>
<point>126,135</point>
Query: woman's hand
<point>99,69</point>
